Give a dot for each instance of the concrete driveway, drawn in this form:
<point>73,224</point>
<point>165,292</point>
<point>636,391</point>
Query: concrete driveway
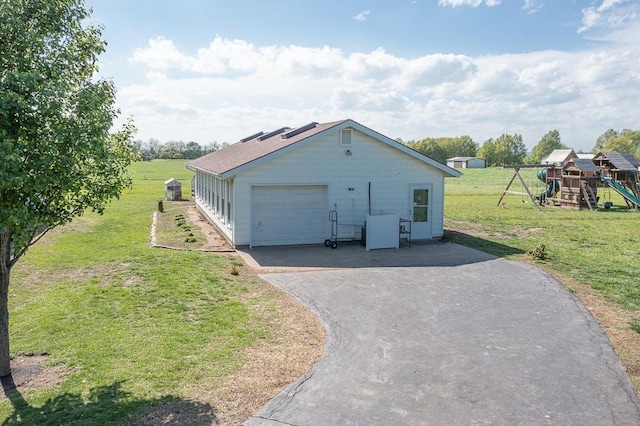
<point>439,334</point>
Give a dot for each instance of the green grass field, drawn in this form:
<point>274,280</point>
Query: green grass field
<point>598,248</point>
<point>134,324</point>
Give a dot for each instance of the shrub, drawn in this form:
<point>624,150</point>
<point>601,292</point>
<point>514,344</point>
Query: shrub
<point>539,252</point>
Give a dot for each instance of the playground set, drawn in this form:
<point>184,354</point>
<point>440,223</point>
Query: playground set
<point>573,182</point>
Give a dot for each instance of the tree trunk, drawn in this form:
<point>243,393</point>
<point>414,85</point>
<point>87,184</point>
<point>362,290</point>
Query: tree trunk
<point>5,270</point>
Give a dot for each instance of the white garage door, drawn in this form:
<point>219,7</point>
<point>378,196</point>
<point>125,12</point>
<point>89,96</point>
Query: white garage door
<point>283,215</point>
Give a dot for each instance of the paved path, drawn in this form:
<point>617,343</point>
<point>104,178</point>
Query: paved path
<point>483,341</point>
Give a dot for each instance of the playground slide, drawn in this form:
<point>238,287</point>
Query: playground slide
<point>552,187</point>
<point>620,189</point>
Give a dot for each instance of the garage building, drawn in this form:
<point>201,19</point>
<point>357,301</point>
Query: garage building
<point>466,163</point>
<point>277,188</point>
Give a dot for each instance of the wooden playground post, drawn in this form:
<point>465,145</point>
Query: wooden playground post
<point>524,185</point>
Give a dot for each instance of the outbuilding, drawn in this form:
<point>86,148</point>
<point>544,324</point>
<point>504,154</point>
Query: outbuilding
<point>466,162</point>
<point>285,186</point>
<point>173,190</point>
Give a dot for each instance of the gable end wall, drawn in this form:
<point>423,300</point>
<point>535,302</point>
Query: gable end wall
<point>324,162</point>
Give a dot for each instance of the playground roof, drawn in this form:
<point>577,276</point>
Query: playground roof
<point>582,164</point>
<point>559,157</point>
<point>618,161</point>
<point>631,159</point>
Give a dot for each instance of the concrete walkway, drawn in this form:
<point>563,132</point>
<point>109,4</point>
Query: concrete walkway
<point>440,334</point>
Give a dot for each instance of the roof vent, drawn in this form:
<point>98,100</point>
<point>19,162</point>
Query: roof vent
<point>272,134</point>
<point>299,130</point>
<point>248,138</point>
<point>346,137</point>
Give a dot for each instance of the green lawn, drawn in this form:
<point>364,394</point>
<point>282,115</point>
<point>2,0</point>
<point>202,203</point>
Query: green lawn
<point>599,248</point>
<point>134,324</point>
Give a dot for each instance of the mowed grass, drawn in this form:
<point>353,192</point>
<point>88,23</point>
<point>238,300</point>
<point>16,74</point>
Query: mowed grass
<point>133,325</point>
<point>598,248</point>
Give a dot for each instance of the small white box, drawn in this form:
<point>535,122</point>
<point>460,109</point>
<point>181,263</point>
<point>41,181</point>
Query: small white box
<point>382,231</point>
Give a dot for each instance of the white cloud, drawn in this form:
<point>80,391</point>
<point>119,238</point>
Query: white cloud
<point>362,15</point>
<point>161,54</point>
<point>472,3</point>
<point>357,100</point>
<point>610,13</point>
<point>533,6</point>
<point>375,66</point>
<point>224,56</point>
<point>231,88</point>
<point>439,69</point>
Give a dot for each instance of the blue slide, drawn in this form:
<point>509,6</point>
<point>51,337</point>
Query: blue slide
<point>620,189</point>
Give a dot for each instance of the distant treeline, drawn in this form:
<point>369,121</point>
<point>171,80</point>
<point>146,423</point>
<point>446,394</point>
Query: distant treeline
<point>506,149</point>
<point>510,149</point>
<point>154,149</point>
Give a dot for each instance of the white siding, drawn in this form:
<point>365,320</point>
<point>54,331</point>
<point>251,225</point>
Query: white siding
<point>476,163</point>
<point>324,162</point>
<point>472,163</point>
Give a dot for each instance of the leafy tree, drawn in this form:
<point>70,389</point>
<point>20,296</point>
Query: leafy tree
<point>442,148</point>
<point>57,157</point>
<point>603,139</point>
<point>462,146</point>
<point>172,150</point>
<point>511,149</point>
<point>192,150</point>
<point>153,145</point>
<point>214,146</point>
<point>489,152</point>
<point>137,146</point>
<point>627,142</point>
<point>431,148</point>
<point>549,142</point>
<point>507,149</point>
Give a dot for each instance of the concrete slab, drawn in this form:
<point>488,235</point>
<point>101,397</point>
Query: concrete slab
<point>353,255</point>
<point>462,338</point>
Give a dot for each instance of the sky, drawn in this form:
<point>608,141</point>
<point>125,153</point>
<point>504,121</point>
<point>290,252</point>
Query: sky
<point>217,71</point>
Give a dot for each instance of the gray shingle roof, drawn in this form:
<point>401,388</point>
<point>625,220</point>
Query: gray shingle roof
<point>619,161</point>
<point>582,164</point>
<point>241,153</point>
<point>261,147</point>
<point>632,160</point>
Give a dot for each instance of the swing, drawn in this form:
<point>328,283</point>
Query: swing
<point>517,174</point>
